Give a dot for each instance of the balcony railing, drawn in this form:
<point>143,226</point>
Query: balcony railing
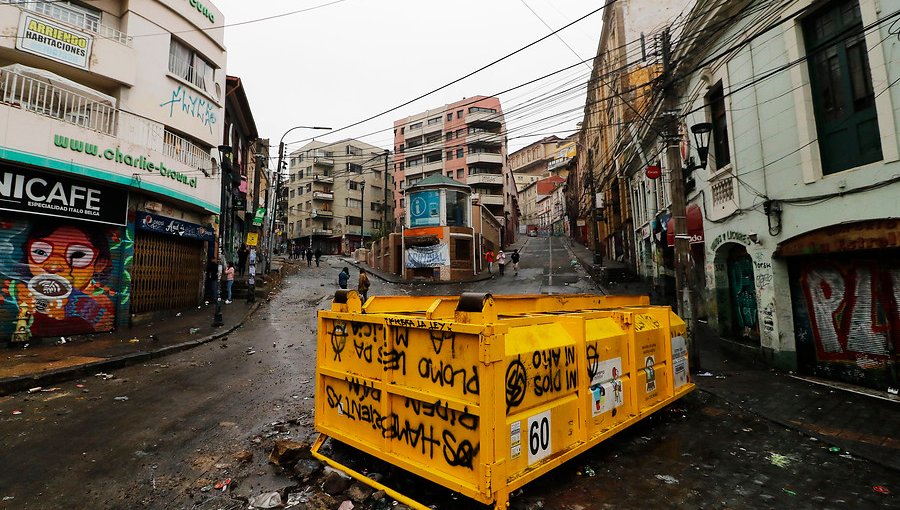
<point>323,178</point>
<point>61,12</point>
<point>322,231</point>
<point>322,195</point>
<point>37,96</point>
<point>321,160</point>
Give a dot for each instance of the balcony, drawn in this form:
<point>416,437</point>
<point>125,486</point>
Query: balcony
<point>489,179</point>
<point>322,232</point>
<point>323,161</point>
<point>322,213</point>
<point>485,119</point>
<point>485,138</point>
<point>486,199</point>
<point>111,55</point>
<point>485,158</point>
<point>323,178</point>
<point>60,12</point>
<point>435,166</point>
<point>323,195</point>
<point>69,122</point>
<point>433,127</point>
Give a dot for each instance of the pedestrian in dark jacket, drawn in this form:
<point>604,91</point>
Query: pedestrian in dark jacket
<point>344,278</point>
<point>242,259</point>
<point>364,284</point>
<point>515,260</point>
<point>318,256</point>
<point>309,256</point>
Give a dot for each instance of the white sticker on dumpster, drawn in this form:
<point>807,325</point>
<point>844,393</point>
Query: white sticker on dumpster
<point>515,439</point>
<point>539,445</point>
<point>606,397</point>
<point>679,361</point>
<point>605,371</point>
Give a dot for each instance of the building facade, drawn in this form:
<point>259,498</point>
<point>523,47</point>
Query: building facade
<point>793,220</point>
<point>110,177</point>
<point>465,141</point>
<point>338,194</point>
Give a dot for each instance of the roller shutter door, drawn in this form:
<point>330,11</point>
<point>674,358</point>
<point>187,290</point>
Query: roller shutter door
<point>168,272</point>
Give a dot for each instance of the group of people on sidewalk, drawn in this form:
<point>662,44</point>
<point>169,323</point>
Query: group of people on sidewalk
<point>362,286</point>
<point>298,253</point>
<point>501,259</point>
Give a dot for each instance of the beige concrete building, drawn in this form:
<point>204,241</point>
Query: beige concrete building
<point>338,194</point>
<point>108,151</point>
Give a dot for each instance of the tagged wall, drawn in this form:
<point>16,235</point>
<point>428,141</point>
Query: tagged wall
<point>60,277</point>
<point>847,317</point>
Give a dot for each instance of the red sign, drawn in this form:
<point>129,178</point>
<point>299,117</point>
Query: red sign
<point>653,172</point>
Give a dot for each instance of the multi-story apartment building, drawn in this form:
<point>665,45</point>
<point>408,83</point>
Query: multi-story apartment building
<point>548,157</point>
<point>110,182</point>
<point>465,141</point>
<point>338,195</point>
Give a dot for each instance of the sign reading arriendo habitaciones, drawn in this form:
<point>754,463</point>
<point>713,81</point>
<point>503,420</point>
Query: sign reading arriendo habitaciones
<point>54,41</point>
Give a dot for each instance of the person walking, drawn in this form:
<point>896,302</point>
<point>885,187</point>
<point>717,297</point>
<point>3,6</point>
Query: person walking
<point>242,259</point>
<point>515,260</point>
<point>501,261</point>
<point>364,284</point>
<point>229,282</point>
<point>344,278</point>
<point>318,255</point>
<point>489,258</point>
<point>309,257</point>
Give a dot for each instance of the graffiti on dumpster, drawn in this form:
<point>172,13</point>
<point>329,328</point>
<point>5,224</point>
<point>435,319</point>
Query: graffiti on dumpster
<point>543,372</point>
<point>437,430</point>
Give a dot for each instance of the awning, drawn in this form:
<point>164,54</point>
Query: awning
<point>694,225</point>
<point>60,82</point>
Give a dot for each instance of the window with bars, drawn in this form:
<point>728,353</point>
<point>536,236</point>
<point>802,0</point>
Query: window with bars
<point>186,63</point>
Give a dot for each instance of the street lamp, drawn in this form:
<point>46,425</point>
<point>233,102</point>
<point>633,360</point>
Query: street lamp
<point>278,182</point>
<point>224,213</point>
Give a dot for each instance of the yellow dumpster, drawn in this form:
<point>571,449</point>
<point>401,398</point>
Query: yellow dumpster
<point>482,394</point>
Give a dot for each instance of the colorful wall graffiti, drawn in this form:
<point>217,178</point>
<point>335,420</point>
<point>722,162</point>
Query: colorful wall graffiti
<point>847,319</point>
<point>60,277</point>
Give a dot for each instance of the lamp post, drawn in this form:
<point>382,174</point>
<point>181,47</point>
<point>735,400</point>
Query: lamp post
<point>278,182</point>
<point>224,213</point>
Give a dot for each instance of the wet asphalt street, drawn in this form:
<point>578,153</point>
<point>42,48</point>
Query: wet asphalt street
<point>155,435</point>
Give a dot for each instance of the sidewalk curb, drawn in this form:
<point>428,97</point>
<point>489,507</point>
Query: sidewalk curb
<point>24,382</point>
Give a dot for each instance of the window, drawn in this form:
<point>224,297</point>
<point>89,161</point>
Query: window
<point>402,202</point>
<point>449,155</point>
<point>413,162</point>
<point>376,224</point>
<point>300,174</point>
<point>354,151</point>
<point>354,220</point>
<point>292,177</point>
<point>841,86</point>
<point>459,114</point>
<point>353,203</point>
<point>417,125</point>
<point>450,174</point>
<point>478,109</point>
<point>354,168</point>
<point>300,191</point>
<point>460,153</point>
<point>436,120</point>
<point>375,206</point>
<point>462,247</point>
<point>402,184</point>
<point>187,64</point>
<point>457,209</point>
<point>292,194</point>
<point>460,173</point>
<point>450,116</point>
<point>401,167</point>
<point>353,185</point>
<point>309,188</point>
<point>402,130</point>
<point>716,101</point>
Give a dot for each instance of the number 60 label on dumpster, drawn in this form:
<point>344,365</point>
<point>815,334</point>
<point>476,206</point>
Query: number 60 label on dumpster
<point>539,445</point>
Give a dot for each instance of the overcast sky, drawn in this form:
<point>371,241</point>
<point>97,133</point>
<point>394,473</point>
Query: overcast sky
<point>352,59</point>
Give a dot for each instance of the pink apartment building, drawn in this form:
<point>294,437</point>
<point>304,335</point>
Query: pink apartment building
<point>465,141</point>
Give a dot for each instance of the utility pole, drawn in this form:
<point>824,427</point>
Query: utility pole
<point>362,214</point>
<point>277,199</point>
<point>598,254</point>
<point>384,207</point>
<point>684,283</point>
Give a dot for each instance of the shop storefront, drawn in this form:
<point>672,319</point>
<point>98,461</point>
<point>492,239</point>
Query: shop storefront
<point>845,289</point>
<point>169,263</point>
<point>64,254</point>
